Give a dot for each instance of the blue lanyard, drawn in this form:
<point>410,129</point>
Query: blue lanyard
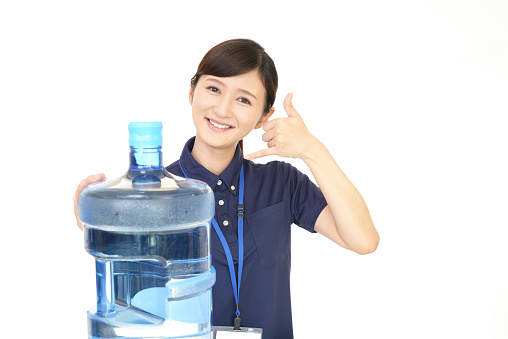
<point>229,257</point>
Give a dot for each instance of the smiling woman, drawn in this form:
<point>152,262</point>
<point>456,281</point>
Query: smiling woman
<point>231,94</point>
<point>234,57</point>
<point>224,111</point>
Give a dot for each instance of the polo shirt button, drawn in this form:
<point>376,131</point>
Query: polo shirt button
<point>221,202</point>
<point>219,182</point>
<point>225,223</point>
<point>233,188</point>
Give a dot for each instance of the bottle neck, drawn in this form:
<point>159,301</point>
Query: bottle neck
<point>145,158</point>
<point>145,168</point>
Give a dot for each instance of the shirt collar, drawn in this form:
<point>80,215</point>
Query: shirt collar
<point>228,178</point>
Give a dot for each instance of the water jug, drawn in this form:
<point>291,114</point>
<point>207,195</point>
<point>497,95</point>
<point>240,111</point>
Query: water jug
<point>149,232</point>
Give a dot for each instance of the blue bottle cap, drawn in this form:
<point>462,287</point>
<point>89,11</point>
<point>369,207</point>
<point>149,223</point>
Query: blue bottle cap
<point>145,134</point>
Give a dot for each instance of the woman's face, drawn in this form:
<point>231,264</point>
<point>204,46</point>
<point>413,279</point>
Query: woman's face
<point>225,110</point>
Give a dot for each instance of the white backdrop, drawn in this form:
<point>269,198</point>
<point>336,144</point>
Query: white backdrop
<point>411,98</point>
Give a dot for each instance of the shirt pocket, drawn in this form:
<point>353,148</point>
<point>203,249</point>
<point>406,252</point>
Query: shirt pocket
<point>270,228</point>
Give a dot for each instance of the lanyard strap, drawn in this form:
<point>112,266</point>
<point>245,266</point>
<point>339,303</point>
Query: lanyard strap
<point>227,250</point>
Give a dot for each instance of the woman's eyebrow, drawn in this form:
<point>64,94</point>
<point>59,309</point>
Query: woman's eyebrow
<point>240,89</point>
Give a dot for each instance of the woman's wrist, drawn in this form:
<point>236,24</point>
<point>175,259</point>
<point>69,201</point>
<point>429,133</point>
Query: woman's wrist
<point>314,151</point>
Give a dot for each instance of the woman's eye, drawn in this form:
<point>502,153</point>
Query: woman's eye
<point>213,89</point>
<point>244,100</point>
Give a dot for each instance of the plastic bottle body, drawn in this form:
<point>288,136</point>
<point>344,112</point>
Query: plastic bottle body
<point>150,235</point>
<point>151,295</point>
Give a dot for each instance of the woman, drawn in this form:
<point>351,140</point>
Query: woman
<point>231,94</point>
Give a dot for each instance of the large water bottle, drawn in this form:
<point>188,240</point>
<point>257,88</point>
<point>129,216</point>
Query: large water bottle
<point>149,232</point>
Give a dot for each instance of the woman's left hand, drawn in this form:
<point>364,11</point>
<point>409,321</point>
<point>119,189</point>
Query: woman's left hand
<point>286,137</point>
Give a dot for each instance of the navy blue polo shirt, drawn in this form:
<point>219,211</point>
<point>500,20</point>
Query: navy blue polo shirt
<point>276,196</point>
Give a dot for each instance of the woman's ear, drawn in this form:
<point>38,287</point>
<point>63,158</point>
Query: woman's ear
<point>191,94</point>
<point>265,118</point>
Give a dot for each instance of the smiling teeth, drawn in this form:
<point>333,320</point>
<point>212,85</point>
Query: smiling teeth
<point>219,125</point>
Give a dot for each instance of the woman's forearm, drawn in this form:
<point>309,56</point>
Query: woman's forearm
<point>350,213</point>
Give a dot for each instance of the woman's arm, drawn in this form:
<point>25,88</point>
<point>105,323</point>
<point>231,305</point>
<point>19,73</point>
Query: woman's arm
<point>346,220</point>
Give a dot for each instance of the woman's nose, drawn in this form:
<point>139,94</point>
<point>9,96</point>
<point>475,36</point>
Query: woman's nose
<point>223,107</point>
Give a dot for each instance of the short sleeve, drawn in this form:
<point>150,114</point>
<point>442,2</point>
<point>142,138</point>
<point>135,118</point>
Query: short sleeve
<point>307,200</point>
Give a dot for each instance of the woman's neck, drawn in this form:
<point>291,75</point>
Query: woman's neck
<point>213,159</point>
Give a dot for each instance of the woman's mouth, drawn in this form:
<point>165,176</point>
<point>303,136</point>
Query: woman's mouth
<point>217,125</point>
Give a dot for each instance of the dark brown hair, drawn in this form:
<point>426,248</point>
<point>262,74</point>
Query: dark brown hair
<point>239,56</point>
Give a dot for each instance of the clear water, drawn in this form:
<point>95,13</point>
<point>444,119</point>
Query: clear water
<point>151,284</point>
<point>166,245</point>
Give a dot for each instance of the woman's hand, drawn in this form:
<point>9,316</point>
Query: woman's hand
<point>90,179</point>
<point>346,220</point>
<point>286,137</point>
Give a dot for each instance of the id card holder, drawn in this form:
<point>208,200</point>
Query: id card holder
<point>226,332</point>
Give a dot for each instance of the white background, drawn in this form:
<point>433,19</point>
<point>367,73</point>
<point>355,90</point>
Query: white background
<point>411,98</point>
